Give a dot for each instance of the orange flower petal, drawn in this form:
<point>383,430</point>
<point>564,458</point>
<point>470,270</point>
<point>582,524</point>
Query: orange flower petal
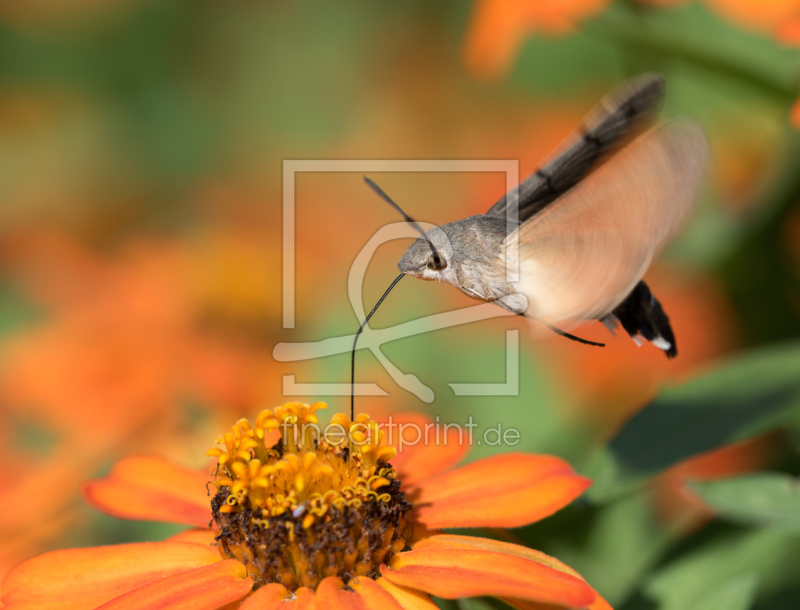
<point>331,595</point>
<point>150,488</point>
<point>451,541</point>
<point>373,595</point>
<point>525,605</point>
<point>82,579</point>
<point>206,588</point>
<point>761,15</point>
<point>275,597</point>
<point>418,532</point>
<point>303,599</point>
<point>424,447</point>
<point>268,597</point>
<point>788,32</point>
<point>200,536</point>
<point>494,36</point>
<point>506,490</point>
<point>409,599</point>
<point>453,573</point>
<point>498,28</point>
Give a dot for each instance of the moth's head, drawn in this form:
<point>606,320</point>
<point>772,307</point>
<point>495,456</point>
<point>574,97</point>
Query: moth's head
<point>420,259</point>
<point>428,257</point>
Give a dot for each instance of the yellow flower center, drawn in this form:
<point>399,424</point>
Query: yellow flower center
<point>310,503</point>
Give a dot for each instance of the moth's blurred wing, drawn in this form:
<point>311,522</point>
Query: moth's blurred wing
<point>615,120</point>
<point>584,254</point>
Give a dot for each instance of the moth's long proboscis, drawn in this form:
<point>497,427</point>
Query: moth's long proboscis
<point>355,340</point>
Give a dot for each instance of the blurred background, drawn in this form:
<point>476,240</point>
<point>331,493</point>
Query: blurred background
<point>141,151</point>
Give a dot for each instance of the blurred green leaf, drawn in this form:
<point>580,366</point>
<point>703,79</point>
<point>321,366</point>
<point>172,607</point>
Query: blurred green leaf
<point>142,107</point>
<point>612,546</point>
<point>100,529</point>
<point>31,435</point>
<point>760,274</point>
<point>746,396</point>
<point>692,35</point>
<point>698,580</point>
<point>16,311</point>
<point>738,594</point>
<point>581,58</point>
<point>624,543</point>
<point>759,499</point>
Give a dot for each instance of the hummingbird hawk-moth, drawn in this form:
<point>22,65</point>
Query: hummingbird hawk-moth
<point>585,226</point>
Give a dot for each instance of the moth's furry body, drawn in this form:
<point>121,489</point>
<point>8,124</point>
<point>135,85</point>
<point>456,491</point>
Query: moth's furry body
<point>471,248</point>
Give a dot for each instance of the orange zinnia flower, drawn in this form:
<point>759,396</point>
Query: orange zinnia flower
<point>307,521</point>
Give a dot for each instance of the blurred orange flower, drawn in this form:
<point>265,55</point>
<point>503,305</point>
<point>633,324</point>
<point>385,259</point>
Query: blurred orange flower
<point>334,514</point>
<point>497,28</point>
<point>29,524</point>
<point>760,15</point>
<point>125,336</point>
<point>763,15</point>
<point>788,31</point>
<point>794,114</point>
<point>124,340</point>
<point>676,503</point>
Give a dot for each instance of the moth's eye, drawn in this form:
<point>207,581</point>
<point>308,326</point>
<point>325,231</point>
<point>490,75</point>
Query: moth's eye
<point>436,263</point>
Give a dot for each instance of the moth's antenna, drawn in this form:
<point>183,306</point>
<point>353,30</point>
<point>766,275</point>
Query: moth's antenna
<point>355,340</point>
<point>437,259</point>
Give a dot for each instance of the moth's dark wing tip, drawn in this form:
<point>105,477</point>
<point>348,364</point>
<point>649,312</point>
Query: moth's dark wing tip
<point>652,80</point>
<point>641,95</point>
<point>651,83</point>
